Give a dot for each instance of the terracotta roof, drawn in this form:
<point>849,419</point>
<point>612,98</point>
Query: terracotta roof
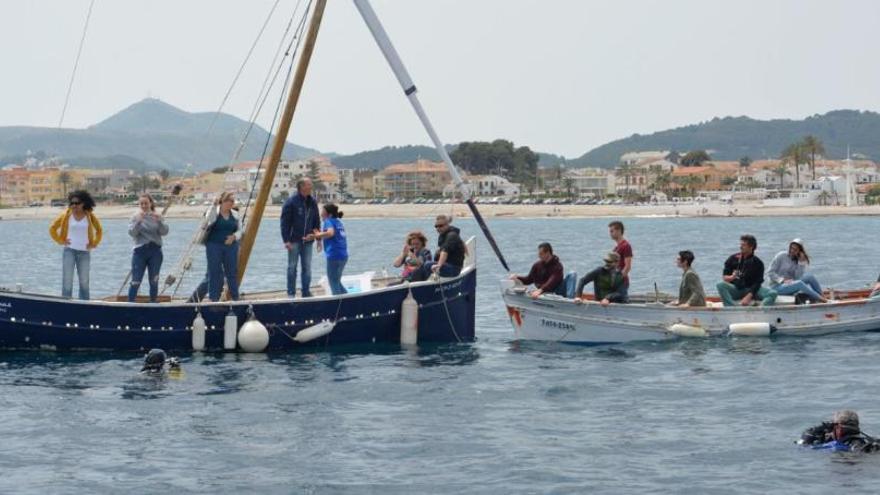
<point>421,166</point>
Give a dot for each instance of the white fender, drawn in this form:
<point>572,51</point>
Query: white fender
<point>313,332</point>
<point>253,336</point>
<point>409,320</point>
<point>683,330</point>
<point>198,333</point>
<point>751,329</point>
<point>230,329</point>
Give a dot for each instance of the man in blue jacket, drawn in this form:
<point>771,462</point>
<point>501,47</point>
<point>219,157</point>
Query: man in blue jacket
<point>299,218</point>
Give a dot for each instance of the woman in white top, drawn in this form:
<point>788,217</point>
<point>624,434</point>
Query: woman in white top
<point>79,231</point>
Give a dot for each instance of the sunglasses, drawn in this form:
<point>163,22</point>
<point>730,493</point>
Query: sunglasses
<point>74,203</point>
<point>439,225</point>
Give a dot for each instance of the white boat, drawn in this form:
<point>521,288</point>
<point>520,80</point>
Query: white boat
<point>552,318</point>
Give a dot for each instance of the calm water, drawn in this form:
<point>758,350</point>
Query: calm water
<point>488,417</point>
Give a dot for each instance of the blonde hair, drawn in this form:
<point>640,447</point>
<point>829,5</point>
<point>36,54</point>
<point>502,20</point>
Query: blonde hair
<point>226,195</point>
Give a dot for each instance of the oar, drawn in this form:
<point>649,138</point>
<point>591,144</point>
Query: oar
<point>175,191</point>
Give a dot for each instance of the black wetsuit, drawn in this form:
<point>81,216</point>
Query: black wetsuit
<point>853,438</point>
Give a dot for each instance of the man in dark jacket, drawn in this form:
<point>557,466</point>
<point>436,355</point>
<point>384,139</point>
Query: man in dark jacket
<point>546,273</point>
<point>841,433</point>
<point>608,283</point>
<point>449,259</point>
<point>743,275</point>
<point>299,218</point>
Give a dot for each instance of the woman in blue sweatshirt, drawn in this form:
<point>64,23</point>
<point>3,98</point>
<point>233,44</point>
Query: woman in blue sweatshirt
<point>221,248</point>
<point>335,246</point>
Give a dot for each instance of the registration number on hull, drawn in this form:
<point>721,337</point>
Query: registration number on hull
<point>560,325</point>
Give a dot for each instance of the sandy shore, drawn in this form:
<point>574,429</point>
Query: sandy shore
<point>491,211</point>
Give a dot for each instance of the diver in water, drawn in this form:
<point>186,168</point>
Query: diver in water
<point>155,361</point>
<point>842,433</point>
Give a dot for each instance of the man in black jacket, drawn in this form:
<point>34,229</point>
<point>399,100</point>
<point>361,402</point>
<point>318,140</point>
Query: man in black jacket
<point>743,275</point>
<point>449,259</point>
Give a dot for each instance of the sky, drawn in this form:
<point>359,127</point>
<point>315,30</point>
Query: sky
<point>561,76</point>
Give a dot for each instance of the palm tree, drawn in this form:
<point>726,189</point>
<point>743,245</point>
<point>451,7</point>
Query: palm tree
<point>794,153</point>
<point>662,181</point>
<point>824,197</point>
<point>65,178</point>
<point>782,170</point>
<point>813,146</point>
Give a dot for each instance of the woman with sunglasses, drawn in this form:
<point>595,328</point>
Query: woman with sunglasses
<point>79,231</point>
<point>146,229</point>
<point>221,247</point>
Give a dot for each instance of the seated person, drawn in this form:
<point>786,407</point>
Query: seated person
<point>690,292</point>
<point>546,273</point>
<point>841,433</point>
<point>787,274</point>
<point>608,282</point>
<point>414,254</point>
<point>743,275</point>
<point>449,258</point>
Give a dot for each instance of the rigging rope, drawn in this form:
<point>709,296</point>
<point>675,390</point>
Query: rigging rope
<point>76,64</point>
<point>241,67</point>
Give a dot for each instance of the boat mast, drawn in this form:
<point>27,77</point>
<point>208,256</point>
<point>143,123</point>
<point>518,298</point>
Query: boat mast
<point>250,233</point>
<point>409,89</point>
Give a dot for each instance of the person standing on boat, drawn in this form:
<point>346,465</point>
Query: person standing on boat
<point>608,284</point>
<point>546,273</point>
<point>742,277</point>
<point>221,248</point>
<point>787,274</point>
<point>299,219</point>
<point>623,249</point>
<point>690,292</point>
<point>79,231</point>
<point>449,259</point>
<point>146,229</point>
<point>335,246</point>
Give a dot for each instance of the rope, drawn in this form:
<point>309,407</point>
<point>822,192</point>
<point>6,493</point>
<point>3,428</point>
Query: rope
<point>298,39</point>
<point>76,64</point>
<point>448,314</point>
<point>241,67</point>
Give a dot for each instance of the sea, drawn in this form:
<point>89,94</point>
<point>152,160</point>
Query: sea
<point>493,416</point>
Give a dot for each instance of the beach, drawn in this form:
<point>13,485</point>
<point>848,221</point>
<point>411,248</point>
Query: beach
<point>745,209</point>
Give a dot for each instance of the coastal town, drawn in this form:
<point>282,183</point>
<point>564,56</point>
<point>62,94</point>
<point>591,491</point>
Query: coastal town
<point>641,178</point>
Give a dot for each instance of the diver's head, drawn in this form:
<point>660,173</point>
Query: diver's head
<point>154,361</point>
<point>846,423</point>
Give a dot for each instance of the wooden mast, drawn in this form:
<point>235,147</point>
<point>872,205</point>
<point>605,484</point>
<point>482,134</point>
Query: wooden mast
<point>250,233</point>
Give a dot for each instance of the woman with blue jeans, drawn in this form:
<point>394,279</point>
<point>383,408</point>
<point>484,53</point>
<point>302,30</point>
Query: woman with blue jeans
<point>221,248</point>
<point>788,275</point>
<point>146,228</point>
<point>79,231</point>
<point>335,246</point>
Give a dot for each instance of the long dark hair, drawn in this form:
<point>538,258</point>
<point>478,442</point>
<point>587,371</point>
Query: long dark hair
<point>332,210</point>
<point>85,198</point>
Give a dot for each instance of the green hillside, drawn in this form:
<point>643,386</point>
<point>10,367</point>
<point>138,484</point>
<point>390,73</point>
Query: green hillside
<point>731,138</point>
<point>150,131</point>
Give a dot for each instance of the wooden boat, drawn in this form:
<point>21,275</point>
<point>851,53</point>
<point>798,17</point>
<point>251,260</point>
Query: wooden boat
<point>430,311</point>
<point>552,318</point>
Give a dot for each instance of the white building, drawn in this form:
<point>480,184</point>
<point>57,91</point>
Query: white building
<point>591,182</point>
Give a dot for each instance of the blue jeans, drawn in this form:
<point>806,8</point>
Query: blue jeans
<point>145,258</point>
<point>807,285</point>
<point>334,276</point>
<point>222,263</point>
<point>300,252</point>
<point>81,260</point>
<point>424,271</point>
<point>730,294</point>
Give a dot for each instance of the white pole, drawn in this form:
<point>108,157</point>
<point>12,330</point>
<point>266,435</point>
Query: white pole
<point>381,37</point>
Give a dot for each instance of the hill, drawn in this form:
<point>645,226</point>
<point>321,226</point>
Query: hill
<point>731,138</point>
<point>150,132</point>
<point>382,157</point>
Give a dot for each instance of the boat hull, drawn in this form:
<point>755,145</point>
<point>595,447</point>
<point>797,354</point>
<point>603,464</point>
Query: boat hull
<point>446,314</point>
<point>556,319</point>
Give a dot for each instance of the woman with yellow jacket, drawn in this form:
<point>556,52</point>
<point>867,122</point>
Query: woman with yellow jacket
<point>79,231</point>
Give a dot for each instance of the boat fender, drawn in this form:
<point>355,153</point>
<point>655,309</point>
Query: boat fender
<point>253,336</point>
<point>683,330</point>
<point>230,329</point>
<point>409,320</point>
<point>198,333</point>
<point>758,329</point>
<point>313,332</point>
